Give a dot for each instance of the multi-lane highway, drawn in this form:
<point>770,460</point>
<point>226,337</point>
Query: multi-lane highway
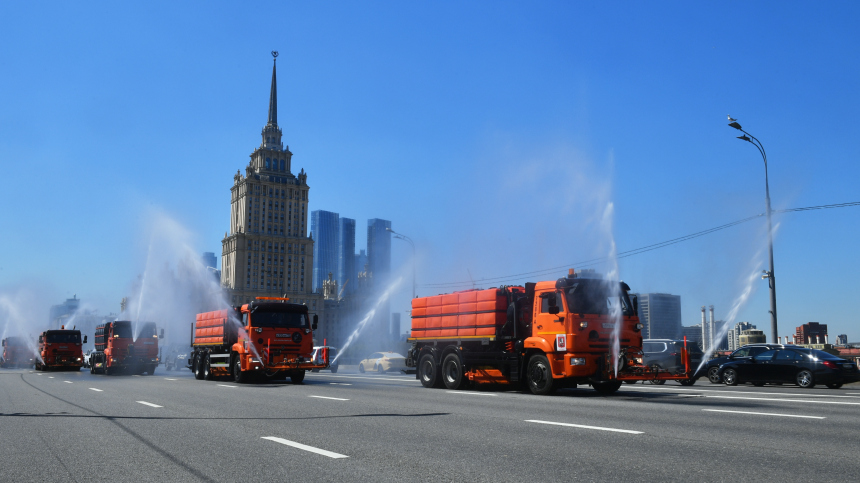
<point>58,426</point>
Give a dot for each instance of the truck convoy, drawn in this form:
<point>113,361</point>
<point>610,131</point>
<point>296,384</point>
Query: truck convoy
<point>16,353</point>
<point>116,351</point>
<point>266,337</point>
<point>543,335</point>
<point>61,350</point>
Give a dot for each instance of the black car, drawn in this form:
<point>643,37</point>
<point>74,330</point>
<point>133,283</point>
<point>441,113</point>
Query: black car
<point>712,368</point>
<point>801,366</point>
<point>666,353</point>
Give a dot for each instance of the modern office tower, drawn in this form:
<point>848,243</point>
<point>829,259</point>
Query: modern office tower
<point>842,339</point>
<point>660,313</point>
<point>209,260</point>
<point>693,334</point>
<point>324,231</point>
<point>379,250</point>
<point>811,333</point>
<point>266,251</point>
<point>735,334</point>
<point>347,271</point>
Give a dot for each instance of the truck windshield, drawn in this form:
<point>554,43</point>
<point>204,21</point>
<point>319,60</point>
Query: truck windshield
<point>279,319</point>
<point>147,330</point>
<point>63,337</point>
<point>588,296</point>
<point>122,329</point>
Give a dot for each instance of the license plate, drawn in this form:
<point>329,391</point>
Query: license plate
<point>848,366</point>
<point>608,325</point>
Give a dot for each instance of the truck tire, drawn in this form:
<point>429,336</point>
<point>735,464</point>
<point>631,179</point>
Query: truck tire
<point>452,372</point>
<point>207,369</point>
<point>606,387</point>
<point>238,376</point>
<point>427,372</point>
<point>150,371</point>
<point>198,368</point>
<point>296,377</point>
<point>333,369</point>
<point>539,375</point>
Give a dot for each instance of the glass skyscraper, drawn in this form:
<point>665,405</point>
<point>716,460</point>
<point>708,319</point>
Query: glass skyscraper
<point>324,229</point>
<point>379,249</point>
<point>347,272</point>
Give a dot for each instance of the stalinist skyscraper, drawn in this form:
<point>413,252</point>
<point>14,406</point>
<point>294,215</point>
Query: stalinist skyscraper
<point>267,252</point>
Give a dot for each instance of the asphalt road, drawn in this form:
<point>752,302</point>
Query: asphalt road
<point>61,426</point>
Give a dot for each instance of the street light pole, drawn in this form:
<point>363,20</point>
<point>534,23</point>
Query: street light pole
<point>768,274</point>
<point>405,238</point>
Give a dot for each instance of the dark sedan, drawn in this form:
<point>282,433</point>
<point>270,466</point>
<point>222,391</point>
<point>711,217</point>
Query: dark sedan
<point>801,366</point>
<point>712,368</point>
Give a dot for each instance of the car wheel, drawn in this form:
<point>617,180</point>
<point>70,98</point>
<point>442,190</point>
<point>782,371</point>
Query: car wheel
<point>452,372</point>
<point>834,385</point>
<point>539,375</point>
<point>379,369</point>
<point>361,368</point>
<point>714,375</point>
<point>687,382</point>
<point>804,379</point>
<point>730,377</point>
<point>606,387</point>
<point>427,372</point>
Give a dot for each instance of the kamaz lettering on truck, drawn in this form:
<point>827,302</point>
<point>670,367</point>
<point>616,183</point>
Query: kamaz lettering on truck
<point>16,353</point>
<point>266,337</point>
<point>61,350</point>
<point>544,335</point>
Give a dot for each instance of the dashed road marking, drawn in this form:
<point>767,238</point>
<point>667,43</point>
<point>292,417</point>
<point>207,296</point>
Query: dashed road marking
<point>614,430</point>
<point>470,393</point>
<point>96,390</point>
<point>786,400</point>
<point>68,382</point>
<point>149,404</point>
<point>50,377</point>
<point>226,385</point>
<point>305,447</point>
<point>332,398</point>
<point>169,379</point>
<point>763,414</point>
<point>340,383</point>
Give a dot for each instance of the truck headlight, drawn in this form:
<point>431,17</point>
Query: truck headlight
<point>583,324</point>
<point>577,361</point>
<point>79,359</point>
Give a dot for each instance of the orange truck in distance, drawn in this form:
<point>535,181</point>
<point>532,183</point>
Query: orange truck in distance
<point>16,353</point>
<point>116,350</point>
<point>266,337</point>
<point>61,350</point>
<point>543,335</point>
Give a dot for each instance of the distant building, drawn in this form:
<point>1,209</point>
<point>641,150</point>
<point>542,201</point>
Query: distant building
<point>209,260</point>
<point>347,270</point>
<point>379,249</point>
<point>734,334</point>
<point>67,308</point>
<point>394,329</point>
<point>842,339</point>
<point>360,262</point>
<point>693,334</point>
<point>752,336</point>
<point>807,333</point>
<point>660,313</point>
<point>324,231</point>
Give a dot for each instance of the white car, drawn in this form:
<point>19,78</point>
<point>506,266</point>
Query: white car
<point>317,357</point>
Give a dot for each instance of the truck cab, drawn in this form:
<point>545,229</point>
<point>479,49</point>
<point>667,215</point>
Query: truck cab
<point>60,349</point>
<point>16,353</point>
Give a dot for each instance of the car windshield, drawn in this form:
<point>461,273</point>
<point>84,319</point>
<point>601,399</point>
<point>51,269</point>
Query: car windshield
<point>279,319</point>
<point>588,296</point>
<point>65,337</point>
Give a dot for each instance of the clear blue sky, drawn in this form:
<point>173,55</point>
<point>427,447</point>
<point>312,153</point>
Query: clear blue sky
<point>492,133</point>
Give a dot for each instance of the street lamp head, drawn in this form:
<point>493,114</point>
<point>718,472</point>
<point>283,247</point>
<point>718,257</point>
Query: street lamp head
<point>388,228</point>
<point>735,125</point>
<point>744,138</point>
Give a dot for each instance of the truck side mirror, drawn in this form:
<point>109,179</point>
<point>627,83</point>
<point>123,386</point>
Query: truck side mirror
<point>315,322</point>
<point>85,339</point>
<point>161,334</point>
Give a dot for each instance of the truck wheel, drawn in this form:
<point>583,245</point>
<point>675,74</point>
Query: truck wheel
<point>207,369</point>
<point>297,376</point>
<point>238,376</point>
<point>427,372</point>
<point>151,371</point>
<point>333,369</point>
<point>452,372</point>
<point>198,368</point>
<point>687,382</point>
<point>539,375</point>
<point>606,387</point>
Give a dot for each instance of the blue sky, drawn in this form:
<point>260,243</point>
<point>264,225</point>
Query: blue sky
<point>495,134</point>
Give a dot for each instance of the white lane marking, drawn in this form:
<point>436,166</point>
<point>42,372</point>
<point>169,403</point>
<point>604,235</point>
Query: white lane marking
<point>305,447</point>
<point>682,389</point>
<point>169,379</point>
<point>333,398</point>
<point>68,382</point>
<point>39,374</point>
<point>226,385</point>
<point>50,377</point>
<point>149,404</point>
<point>340,383</point>
<point>584,426</point>
<point>762,414</point>
<point>786,400</point>
<point>96,390</point>
<point>373,378</point>
<point>470,393</point>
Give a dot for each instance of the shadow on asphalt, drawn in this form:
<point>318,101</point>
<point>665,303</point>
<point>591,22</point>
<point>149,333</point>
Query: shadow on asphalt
<point>156,418</point>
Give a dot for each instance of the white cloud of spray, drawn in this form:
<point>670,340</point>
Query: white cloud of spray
<point>173,285</point>
<point>378,302</point>
<point>22,314</point>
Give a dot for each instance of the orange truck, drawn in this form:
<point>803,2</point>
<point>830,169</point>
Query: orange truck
<point>61,350</point>
<point>116,350</point>
<point>543,335</point>
<point>266,337</point>
<point>16,353</point>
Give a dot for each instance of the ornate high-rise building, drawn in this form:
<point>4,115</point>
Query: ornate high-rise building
<point>266,252</point>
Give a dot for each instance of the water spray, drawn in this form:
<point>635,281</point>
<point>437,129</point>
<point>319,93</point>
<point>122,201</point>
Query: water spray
<point>385,295</point>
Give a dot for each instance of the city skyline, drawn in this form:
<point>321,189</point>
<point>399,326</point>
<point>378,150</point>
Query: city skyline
<point>497,147</point>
